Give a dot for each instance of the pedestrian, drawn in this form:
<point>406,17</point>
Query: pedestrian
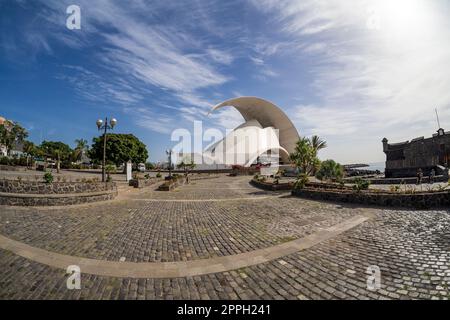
<point>432,175</point>
<point>419,176</point>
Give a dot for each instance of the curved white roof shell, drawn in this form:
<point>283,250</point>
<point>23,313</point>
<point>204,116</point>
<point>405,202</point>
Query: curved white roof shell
<point>267,129</point>
<point>245,144</point>
<point>268,115</point>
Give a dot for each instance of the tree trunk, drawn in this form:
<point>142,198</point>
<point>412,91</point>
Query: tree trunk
<point>58,164</point>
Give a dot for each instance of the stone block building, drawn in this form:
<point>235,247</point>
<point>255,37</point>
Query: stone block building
<point>405,158</point>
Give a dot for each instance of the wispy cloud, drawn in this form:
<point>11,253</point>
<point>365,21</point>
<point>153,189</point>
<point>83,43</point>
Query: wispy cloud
<point>137,52</point>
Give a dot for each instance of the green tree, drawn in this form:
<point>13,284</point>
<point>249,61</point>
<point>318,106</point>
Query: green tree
<point>120,148</point>
<point>58,151</point>
<point>186,165</point>
<point>11,133</point>
<point>304,157</point>
<point>330,170</point>
<point>149,166</point>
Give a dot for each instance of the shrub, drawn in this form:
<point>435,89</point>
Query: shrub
<point>14,161</point>
<point>330,170</point>
<point>361,184</point>
<point>301,181</point>
<point>158,175</point>
<point>48,177</point>
<point>110,169</point>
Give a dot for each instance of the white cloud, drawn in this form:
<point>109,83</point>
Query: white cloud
<point>257,61</point>
<point>227,118</point>
<point>148,119</point>
<point>220,56</point>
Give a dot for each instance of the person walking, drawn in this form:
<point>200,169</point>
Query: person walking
<point>419,176</point>
<point>432,175</point>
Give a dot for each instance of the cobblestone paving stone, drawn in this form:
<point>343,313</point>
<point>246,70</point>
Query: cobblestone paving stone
<point>412,249</point>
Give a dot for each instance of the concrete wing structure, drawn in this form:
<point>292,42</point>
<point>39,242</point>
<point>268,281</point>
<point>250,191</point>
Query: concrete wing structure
<point>267,129</point>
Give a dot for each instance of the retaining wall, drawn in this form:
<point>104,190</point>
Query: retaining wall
<point>34,193</point>
<point>39,187</point>
<point>416,200</point>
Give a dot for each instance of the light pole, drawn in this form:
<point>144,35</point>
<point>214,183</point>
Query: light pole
<point>105,127</point>
<point>169,153</point>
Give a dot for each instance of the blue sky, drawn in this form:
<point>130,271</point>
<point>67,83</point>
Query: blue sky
<point>350,71</point>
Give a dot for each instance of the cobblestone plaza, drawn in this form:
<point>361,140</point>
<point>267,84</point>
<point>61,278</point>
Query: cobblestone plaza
<point>221,238</point>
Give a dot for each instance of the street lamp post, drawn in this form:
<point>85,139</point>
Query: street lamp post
<point>169,153</point>
<point>105,127</point>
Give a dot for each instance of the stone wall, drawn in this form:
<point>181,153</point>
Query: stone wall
<point>416,200</point>
<point>36,193</point>
<point>11,168</point>
<point>39,187</point>
<point>410,180</point>
<point>55,200</point>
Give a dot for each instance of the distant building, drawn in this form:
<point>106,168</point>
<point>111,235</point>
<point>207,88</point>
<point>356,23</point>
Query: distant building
<point>405,158</point>
<point>2,147</point>
<point>16,150</point>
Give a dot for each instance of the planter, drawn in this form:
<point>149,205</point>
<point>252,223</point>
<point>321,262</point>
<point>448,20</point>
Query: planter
<point>141,183</point>
<point>289,185</point>
<point>169,185</point>
<point>272,186</point>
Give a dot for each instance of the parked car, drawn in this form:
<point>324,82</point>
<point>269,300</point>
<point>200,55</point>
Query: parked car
<point>141,167</point>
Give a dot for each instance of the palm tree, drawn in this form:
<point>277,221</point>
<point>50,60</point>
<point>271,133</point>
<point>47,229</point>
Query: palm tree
<point>29,149</point>
<point>80,149</point>
<point>317,143</point>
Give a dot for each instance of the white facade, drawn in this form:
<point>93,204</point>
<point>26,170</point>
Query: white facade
<point>267,133</point>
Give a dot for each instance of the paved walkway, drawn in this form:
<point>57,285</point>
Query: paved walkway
<point>223,239</point>
<point>176,269</point>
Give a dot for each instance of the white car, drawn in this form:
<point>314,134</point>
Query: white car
<point>141,167</point>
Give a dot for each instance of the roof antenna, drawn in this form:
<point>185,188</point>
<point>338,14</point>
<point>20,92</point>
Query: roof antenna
<point>437,117</point>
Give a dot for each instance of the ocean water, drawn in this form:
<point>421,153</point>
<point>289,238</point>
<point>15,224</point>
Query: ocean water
<point>376,166</point>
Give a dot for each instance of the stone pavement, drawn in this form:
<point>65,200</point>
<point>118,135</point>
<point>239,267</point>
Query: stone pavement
<point>221,217</point>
